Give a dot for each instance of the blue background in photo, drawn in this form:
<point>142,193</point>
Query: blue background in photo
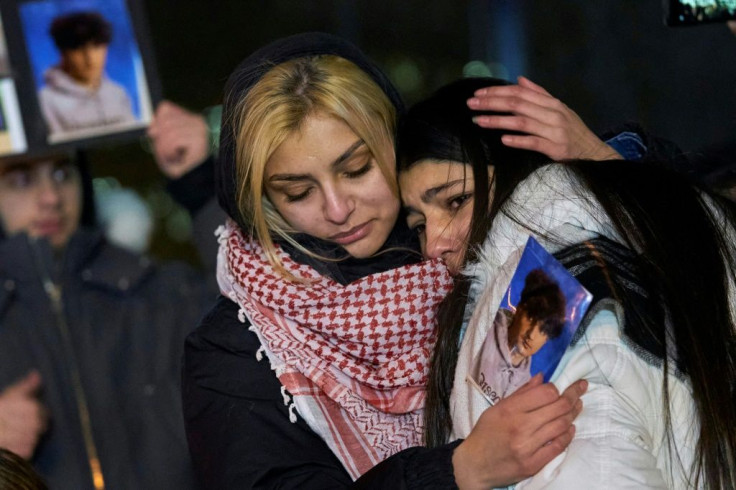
<point>578,299</point>
<point>36,19</point>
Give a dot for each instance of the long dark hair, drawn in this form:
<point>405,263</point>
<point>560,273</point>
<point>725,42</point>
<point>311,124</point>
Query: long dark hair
<point>441,128</point>
<point>679,231</point>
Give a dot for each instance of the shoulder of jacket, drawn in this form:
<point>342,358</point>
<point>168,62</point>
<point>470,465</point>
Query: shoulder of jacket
<point>117,269</point>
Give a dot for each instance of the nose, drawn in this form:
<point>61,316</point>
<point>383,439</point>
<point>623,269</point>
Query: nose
<point>338,205</point>
<point>88,52</point>
<point>49,192</point>
<point>439,241</point>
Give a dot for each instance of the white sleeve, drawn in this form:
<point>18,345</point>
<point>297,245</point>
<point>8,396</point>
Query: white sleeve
<point>603,462</point>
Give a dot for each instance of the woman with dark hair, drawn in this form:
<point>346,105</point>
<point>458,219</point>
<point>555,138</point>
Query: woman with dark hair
<point>657,345</point>
<point>90,332</point>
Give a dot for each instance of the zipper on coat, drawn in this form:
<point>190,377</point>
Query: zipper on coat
<point>54,293</point>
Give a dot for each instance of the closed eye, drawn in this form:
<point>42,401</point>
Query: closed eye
<point>298,197</point>
<point>360,172</point>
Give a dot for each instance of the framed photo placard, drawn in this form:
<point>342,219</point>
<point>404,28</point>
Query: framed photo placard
<point>86,68</point>
<point>12,134</point>
<point>533,326</point>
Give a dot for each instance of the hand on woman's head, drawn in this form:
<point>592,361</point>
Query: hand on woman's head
<point>550,127</point>
<point>515,438</point>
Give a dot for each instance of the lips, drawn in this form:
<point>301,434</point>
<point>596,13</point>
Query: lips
<point>49,227</point>
<point>352,235</point>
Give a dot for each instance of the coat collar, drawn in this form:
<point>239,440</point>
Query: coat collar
<point>87,255</point>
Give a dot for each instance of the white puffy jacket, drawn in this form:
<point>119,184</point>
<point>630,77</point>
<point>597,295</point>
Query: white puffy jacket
<point>620,440</point>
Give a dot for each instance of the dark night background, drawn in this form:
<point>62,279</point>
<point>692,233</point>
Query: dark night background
<point>612,61</point>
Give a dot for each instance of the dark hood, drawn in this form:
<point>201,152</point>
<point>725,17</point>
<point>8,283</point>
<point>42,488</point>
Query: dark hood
<point>253,68</point>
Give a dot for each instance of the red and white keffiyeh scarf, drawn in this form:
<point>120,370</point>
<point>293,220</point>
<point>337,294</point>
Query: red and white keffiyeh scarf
<point>354,357</point>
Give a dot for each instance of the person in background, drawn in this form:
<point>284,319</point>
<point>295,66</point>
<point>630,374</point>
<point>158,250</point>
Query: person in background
<point>77,94</point>
<point>92,333</point>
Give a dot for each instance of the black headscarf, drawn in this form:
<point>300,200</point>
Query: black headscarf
<point>250,71</point>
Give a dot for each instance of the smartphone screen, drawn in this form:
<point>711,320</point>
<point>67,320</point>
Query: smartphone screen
<point>693,12</point>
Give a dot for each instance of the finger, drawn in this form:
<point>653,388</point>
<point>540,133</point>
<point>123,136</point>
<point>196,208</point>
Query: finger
<point>525,82</point>
<point>521,107</point>
<point>569,405</point>
<point>162,127</point>
<point>172,114</point>
<point>23,412</point>
<point>536,380</point>
<point>552,411</point>
<point>183,129</point>
<point>22,433</point>
<point>165,107</point>
<point>21,445</point>
<point>521,124</point>
<point>22,448</point>
<point>481,98</point>
<point>576,390</point>
<point>551,430</point>
<point>27,385</point>
<point>533,398</point>
<point>533,143</point>
<point>551,450</point>
<point>173,146</point>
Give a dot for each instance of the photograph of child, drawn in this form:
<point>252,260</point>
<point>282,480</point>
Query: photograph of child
<point>533,326</point>
<point>87,67</point>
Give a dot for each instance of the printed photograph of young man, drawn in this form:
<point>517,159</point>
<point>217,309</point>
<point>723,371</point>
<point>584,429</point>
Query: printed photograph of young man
<point>87,68</point>
<point>12,135</point>
<point>77,93</point>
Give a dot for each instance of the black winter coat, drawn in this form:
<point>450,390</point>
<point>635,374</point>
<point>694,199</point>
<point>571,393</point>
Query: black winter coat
<point>119,325</point>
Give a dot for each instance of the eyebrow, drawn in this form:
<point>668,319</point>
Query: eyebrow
<point>430,193</point>
<point>336,163</point>
<point>14,167</point>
